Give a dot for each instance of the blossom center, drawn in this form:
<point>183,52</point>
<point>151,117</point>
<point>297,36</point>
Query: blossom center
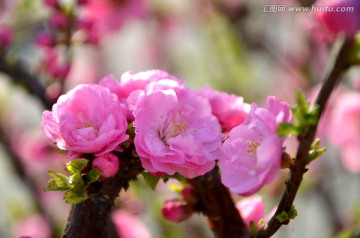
<point>252,146</point>
<point>173,126</point>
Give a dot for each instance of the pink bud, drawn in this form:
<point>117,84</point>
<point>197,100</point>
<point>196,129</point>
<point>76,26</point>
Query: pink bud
<point>176,210</point>
<point>59,20</point>
<point>51,3</point>
<point>107,163</point>
<point>339,15</point>
<point>45,39</point>
<point>5,36</point>
<point>251,209</point>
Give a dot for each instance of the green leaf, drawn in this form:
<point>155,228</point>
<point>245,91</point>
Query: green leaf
<point>76,165</point>
<point>286,129</point>
<point>92,176</point>
<point>75,196</point>
<point>292,213</point>
<point>285,216</point>
<point>57,182</point>
<point>76,181</point>
<point>282,217</point>
<point>150,179</point>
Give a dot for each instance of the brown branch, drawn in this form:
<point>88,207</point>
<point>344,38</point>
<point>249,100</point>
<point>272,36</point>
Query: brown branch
<point>19,74</point>
<point>336,67</point>
<point>92,218</point>
<point>215,202</point>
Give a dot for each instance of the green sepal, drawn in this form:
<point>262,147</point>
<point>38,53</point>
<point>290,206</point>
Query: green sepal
<point>76,165</point>
<point>57,182</point>
<point>150,179</point>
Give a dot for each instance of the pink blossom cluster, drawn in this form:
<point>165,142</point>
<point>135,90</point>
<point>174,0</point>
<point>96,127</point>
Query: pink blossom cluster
<point>177,130</point>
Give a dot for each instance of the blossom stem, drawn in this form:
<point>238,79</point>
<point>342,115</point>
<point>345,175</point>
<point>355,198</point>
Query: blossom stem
<point>215,201</point>
<point>338,64</point>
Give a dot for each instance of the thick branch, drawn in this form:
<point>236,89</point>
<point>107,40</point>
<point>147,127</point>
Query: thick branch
<point>215,201</point>
<point>19,74</point>
<point>337,66</point>
<point>92,218</point>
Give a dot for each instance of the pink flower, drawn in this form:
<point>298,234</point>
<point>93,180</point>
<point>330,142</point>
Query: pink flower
<point>175,130</point>
<point>130,82</point>
<point>129,226</point>
<point>33,226</point>
<point>339,20</point>
<point>344,129</point>
<point>253,150</point>
<point>88,119</point>
<point>112,15</point>
<point>176,210</point>
<point>228,108</point>
<point>251,209</point>
<point>107,163</point>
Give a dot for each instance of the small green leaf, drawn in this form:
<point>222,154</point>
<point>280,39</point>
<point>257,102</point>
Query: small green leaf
<point>282,217</point>
<point>76,165</point>
<point>76,181</point>
<point>285,216</point>
<point>286,129</point>
<point>253,229</point>
<point>292,213</point>
<point>150,179</point>
<point>75,196</point>
<point>92,176</point>
<point>57,182</point>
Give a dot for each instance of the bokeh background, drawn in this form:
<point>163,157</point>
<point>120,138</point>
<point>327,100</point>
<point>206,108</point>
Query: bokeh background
<point>237,46</point>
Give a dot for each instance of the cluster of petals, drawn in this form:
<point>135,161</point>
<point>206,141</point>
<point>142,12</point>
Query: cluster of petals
<point>342,16</point>
<point>253,150</point>
<point>344,129</point>
<point>87,119</point>
<point>175,129</point>
<point>230,109</point>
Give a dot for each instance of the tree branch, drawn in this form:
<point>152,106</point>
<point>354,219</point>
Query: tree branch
<point>19,74</point>
<point>215,201</point>
<point>336,67</point>
<point>92,218</point>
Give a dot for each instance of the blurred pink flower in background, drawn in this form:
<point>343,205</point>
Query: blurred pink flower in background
<point>251,209</point>
<point>230,109</point>
<point>88,119</point>
<point>338,19</point>
<point>175,130</point>
<point>344,129</point>
<point>253,150</point>
<point>108,164</point>
<point>176,210</point>
<point>129,226</point>
<point>34,226</point>
<point>113,14</point>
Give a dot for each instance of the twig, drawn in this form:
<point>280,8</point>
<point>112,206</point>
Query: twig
<point>19,74</point>
<point>215,201</point>
<point>336,67</point>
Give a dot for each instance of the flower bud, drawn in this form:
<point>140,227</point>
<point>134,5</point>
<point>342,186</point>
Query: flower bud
<point>51,3</point>
<point>108,164</point>
<point>5,36</point>
<point>176,210</point>
<point>45,39</point>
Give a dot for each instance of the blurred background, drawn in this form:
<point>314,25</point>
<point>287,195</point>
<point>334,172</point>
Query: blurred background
<point>238,46</point>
